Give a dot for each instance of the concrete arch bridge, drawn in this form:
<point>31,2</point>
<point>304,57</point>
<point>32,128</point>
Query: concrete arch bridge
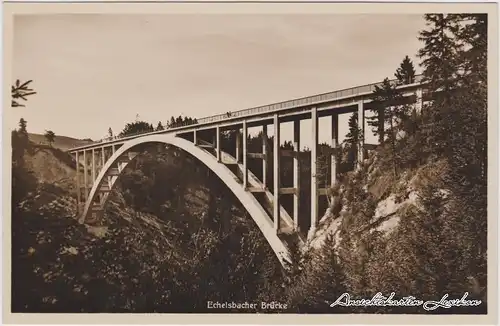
<point>100,164</point>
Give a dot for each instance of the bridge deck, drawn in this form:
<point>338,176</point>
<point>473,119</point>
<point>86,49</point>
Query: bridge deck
<point>336,100</point>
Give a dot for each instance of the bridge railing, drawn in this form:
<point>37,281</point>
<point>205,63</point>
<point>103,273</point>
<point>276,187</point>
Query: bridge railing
<point>352,91</point>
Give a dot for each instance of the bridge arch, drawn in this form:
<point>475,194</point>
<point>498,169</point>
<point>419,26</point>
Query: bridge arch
<point>249,202</point>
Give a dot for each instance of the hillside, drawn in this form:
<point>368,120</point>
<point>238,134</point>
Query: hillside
<point>61,142</point>
<point>52,165</point>
<point>391,233</point>
<point>169,260</point>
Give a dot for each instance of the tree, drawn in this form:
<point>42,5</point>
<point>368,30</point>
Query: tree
<point>385,93</point>
<point>405,74</point>
<point>475,34</point>
<point>387,100</point>
<point>352,138</point>
<point>455,55</point>
<point>441,64</point>
<point>50,136</point>
<point>159,126</point>
<point>23,180</point>
<point>110,132</point>
<point>171,123</point>
<point>20,91</point>
<point>22,126</point>
<point>377,121</point>
<point>136,128</point>
<point>22,136</point>
<point>181,121</point>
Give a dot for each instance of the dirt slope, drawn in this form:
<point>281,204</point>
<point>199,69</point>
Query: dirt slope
<point>52,165</point>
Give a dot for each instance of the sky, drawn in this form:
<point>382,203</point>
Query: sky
<point>96,71</point>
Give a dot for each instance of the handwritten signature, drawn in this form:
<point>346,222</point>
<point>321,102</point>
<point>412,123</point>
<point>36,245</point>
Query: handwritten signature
<point>408,301</point>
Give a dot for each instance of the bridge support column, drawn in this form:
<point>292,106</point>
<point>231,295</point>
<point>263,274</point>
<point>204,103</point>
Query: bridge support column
<point>103,159</point>
<point>103,162</point>
<point>78,188</point>
<point>195,137</point>
<point>85,175</point>
<point>276,174</point>
<point>265,159</point>
<point>238,145</point>
<point>245,151</point>
<point>93,166</point>
<point>296,173</point>
<point>361,140</point>
<point>335,147</point>
<point>314,168</point>
<point>420,101</point>
<point>218,148</point>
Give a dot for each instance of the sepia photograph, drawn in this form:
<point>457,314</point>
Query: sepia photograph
<point>250,163</point>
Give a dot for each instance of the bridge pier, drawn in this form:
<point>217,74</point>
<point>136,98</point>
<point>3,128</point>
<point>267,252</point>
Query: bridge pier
<point>314,171</point>
<point>218,148</point>
<point>85,176</point>
<point>78,188</point>
<point>93,167</point>
<point>238,145</point>
<point>361,140</point>
<point>265,156</point>
<point>245,156</point>
<point>335,147</point>
<point>276,174</point>
<point>419,101</point>
<point>296,174</point>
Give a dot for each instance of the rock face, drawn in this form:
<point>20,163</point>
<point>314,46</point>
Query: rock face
<point>389,196</point>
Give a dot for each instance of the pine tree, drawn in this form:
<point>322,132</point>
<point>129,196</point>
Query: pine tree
<point>50,136</point>
<point>474,33</point>
<point>405,74</point>
<point>391,112</point>
<point>352,138</point>
<point>455,55</point>
<point>441,64</point>
<point>110,132</point>
<point>22,126</point>
<point>171,124</point>
<point>136,127</point>
<point>20,91</point>
<point>23,180</point>
<point>377,121</point>
<point>159,126</point>
<point>468,143</point>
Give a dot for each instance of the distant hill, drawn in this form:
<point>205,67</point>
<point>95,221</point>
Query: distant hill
<point>61,142</point>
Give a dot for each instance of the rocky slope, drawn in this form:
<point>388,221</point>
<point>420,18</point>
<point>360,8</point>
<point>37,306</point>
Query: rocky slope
<point>390,197</point>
